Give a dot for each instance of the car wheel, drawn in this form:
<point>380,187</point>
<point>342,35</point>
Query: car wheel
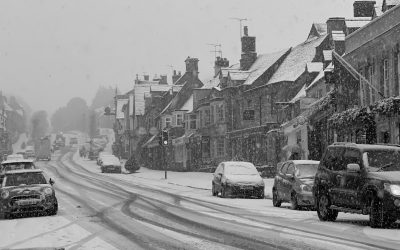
<point>323,210</point>
<point>378,217</point>
<point>261,195</point>
<point>275,198</point>
<point>214,193</point>
<point>294,205</point>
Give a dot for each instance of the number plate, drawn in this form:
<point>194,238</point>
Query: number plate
<point>27,202</point>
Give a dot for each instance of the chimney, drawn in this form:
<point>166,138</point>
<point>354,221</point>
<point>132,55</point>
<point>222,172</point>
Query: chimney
<point>175,77</point>
<point>192,66</point>
<point>337,30</point>
<point>364,8</point>
<point>220,63</point>
<point>146,77</point>
<point>249,54</point>
<point>163,79</point>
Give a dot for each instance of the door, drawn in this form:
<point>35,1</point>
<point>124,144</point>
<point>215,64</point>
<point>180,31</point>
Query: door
<point>334,165</point>
<point>287,181</point>
<point>351,183</point>
<point>280,179</point>
<point>217,177</point>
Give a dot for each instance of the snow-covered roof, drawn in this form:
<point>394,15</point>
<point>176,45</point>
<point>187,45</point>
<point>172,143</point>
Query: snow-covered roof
<point>161,87</point>
<point>239,75</point>
<point>120,104</point>
<point>316,79</point>
<point>300,94</point>
<point>327,55</point>
<point>392,2</point>
<point>357,22</point>
<point>188,105</point>
<point>314,67</point>
<point>294,64</point>
<point>262,64</point>
<point>338,35</point>
<point>211,83</point>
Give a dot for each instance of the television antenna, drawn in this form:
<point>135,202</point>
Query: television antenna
<point>240,22</point>
<point>217,49</point>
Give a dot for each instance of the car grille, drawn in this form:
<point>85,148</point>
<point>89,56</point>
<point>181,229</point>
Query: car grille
<point>25,197</point>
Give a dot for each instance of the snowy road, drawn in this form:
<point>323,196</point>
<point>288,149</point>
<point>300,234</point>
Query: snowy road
<point>120,211</point>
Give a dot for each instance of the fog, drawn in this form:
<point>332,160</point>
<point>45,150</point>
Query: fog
<point>53,50</point>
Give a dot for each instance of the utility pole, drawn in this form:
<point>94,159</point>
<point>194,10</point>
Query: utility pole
<point>240,22</point>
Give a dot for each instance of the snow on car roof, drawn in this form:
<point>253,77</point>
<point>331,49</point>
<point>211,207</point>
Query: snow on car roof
<point>11,161</point>
<point>111,161</point>
<point>21,171</point>
<point>296,162</point>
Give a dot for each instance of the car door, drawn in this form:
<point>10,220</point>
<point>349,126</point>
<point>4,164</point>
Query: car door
<point>280,179</point>
<point>287,180</point>
<point>217,177</point>
<point>351,183</point>
<point>334,165</point>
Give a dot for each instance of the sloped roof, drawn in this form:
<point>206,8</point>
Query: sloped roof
<point>357,22</point>
<point>120,104</point>
<point>188,105</point>
<point>294,64</point>
<point>317,29</point>
<point>238,75</point>
<point>392,2</point>
<point>327,55</point>
<point>211,83</point>
<point>316,79</point>
<point>300,94</point>
<point>161,87</point>
<point>262,64</point>
<point>314,67</point>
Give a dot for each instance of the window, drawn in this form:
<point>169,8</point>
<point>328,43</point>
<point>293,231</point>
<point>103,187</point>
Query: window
<point>386,76</point>
<point>167,122</point>
<point>333,159</point>
<point>179,119</point>
<point>206,117</point>
<point>220,147</point>
<point>220,113</point>
<point>290,169</point>
<point>351,156</point>
<point>371,79</point>
<point>212,114</point>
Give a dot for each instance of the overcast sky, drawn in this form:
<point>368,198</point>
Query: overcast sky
<point>53,50</point>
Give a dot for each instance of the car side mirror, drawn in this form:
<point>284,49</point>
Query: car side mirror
<point>353,168</point>
<point>51,181</point>
<point>290,176</point>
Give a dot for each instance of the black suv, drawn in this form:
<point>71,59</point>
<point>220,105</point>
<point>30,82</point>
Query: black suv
<point>359,178</point>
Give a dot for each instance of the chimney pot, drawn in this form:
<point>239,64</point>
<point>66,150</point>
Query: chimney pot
<point>246,31</point>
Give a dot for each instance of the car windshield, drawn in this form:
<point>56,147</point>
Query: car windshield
<point>382,160</point>
<point>306,170</point>
<point>240,169</point>
<point>17,166</point>
<point>24,179</point>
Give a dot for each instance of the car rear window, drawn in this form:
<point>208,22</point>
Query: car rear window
<point>306,170</point>
<point>24,179</point>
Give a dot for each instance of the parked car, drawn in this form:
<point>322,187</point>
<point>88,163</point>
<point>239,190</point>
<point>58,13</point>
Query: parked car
<point>359,178</point>
<point>132,165</point>
<point>26,191</point>
<point>14,157</point>
<point>103,155</point>
<point>111,164</point>
<point>93,154</point>
<point>293,183</point>
<point>237,178</point>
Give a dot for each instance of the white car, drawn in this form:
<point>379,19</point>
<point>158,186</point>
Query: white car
<point>15,157</point>
<point>111,164</point>
<point>103,155</point>
<point>237,178</point>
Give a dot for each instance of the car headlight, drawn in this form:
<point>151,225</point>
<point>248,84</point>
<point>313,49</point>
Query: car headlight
<point>48,191</point>
<point>5,194</point>
<point>393,189</point>
<point>306,188</point>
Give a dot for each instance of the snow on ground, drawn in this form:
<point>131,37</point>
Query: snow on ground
<point>196,180</point>
<point>17,146</point>
<point>52,231</point>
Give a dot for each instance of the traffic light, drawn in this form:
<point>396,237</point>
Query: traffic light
<point>165,137</point>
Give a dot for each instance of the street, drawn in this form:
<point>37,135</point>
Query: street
<point>119,211</point>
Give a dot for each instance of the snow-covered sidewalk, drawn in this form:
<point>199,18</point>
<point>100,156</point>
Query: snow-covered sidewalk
<point>195,180</point>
